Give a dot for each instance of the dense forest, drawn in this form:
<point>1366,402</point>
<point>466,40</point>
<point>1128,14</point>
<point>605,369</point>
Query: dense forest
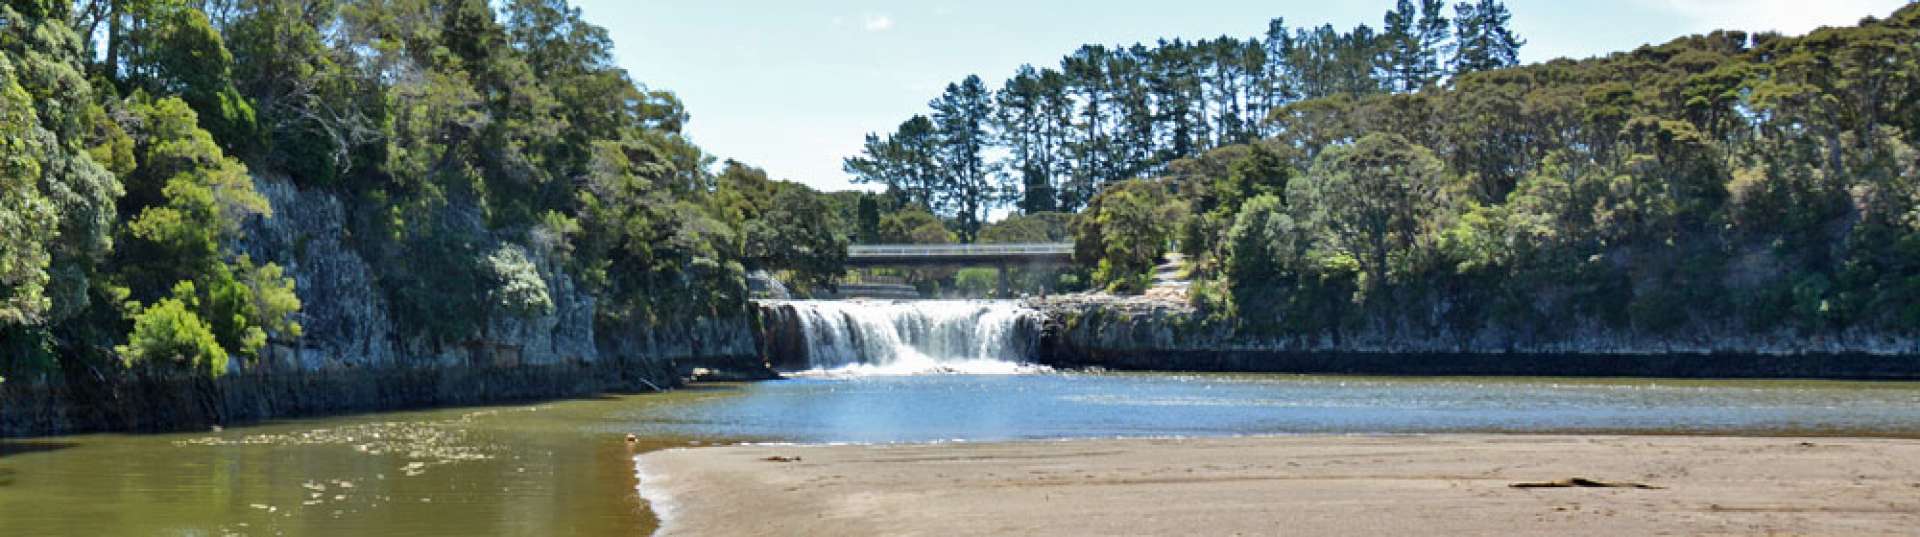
<point>1316,179</point>
<point>1049,138</point>
<point>1416,176</point>
<point>1763,183</point>
<point>481,147</point>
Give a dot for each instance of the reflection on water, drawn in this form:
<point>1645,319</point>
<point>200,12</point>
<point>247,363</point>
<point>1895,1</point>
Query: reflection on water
<point>932,408</point>
<point>551,469</point>
<point>565,469</point>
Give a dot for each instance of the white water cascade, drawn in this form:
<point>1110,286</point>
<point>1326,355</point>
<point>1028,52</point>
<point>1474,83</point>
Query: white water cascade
<point>861,337</point>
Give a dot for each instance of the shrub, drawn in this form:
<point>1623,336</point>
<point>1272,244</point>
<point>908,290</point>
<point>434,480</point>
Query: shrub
<point>518,287</point>
<point>170,334</point>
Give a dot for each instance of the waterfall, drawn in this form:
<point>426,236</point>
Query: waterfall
<point>903,337</point>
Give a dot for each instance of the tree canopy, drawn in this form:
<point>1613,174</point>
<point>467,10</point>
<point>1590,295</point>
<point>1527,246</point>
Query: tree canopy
<point>484,151</point>
<point>1111,113</point>
<point>1728,180</point>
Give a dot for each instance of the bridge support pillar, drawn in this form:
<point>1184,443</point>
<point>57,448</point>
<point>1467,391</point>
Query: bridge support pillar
<point>1006,281</point>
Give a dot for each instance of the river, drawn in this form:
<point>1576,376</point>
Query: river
<point>564,468</point>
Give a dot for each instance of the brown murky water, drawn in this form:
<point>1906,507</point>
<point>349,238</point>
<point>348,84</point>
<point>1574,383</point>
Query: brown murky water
<point>561,468</point>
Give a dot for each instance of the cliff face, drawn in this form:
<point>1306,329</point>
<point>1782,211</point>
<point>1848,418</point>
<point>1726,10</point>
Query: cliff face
<point>1136,333</point>
<point>347,325</point>
<point>353,358</point>
<point>342,310</point>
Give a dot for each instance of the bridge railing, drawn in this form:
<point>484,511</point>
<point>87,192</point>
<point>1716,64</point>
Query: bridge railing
<point>937,250</point>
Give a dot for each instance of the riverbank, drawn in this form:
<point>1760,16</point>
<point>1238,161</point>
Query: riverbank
<point>1306,485</point>
<point>1162,331</point>
<point>144,403</point>
<point>148,404</point>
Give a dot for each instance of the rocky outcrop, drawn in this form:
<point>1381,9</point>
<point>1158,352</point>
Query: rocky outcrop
<point>352,357</point>
<point>343,313</point>
<point>1138,333</point>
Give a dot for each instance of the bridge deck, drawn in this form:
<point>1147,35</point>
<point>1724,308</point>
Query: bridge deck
<point>913,254</point>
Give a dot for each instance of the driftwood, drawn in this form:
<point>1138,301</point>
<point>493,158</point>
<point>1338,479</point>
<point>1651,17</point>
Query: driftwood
<point>1581,482</point>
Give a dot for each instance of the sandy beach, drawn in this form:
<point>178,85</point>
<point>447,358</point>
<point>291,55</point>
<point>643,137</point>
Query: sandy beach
<point>1308,485</point>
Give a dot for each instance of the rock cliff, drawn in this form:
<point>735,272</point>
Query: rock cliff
<point>353,358</point>
<point>1092,330</point>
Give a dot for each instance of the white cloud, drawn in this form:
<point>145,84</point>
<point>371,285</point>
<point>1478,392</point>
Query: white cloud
<point>876,22</point>
<point>1786,16</point>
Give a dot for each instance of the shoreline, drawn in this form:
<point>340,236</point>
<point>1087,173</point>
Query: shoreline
<point>1598,365</point>
<point>1301,484</point>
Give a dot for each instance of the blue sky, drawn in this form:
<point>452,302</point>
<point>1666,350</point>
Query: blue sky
<point>792,86</point>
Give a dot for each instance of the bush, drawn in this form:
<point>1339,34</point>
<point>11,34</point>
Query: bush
<point>1124,232</point>
<point>517,285</point>
<point>976,282</point>
<point>169,334</point>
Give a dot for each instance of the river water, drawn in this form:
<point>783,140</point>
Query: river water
<point>563,468</point>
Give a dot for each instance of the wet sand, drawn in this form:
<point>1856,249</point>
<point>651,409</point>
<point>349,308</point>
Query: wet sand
<point>1308,485</point>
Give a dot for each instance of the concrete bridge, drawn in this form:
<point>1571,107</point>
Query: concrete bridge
<point>999,256</point>
<point>899,255</point>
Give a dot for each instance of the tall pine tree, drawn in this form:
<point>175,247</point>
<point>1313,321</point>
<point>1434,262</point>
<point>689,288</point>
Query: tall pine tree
<point>1484,40</point>
<point>961,116</point>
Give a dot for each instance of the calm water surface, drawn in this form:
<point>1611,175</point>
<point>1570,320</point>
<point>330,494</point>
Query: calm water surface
<point>563,469</point>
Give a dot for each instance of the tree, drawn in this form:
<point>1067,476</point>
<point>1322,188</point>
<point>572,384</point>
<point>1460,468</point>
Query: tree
<point>318,114</point>
<point>797,232</point>
<point>906,162</point>
<point>176,51</point>
<point>1029,228</point>
<point>914,227</point>
<point>25,210</point>
<point>57,203</point>
<point>1278,275</point>
<point>1413,43</point>
<point>1027,111</point>
<point>169,334</point>
<point>1375,201</point>
<point>961,116</point>
<point>869,220</point>
<point>1484,41</point>
<point>188,199</point>
<point>1124,232</point>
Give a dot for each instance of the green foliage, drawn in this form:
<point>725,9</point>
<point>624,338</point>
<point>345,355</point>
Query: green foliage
<point>441,289</point>
<point>1124,232</point>
<point>56,204</point>
<point>868,220</point>
<point>170,335</point>
<point>174,50</point>
<point>976,282</point>
<point>273,300</point>
<point>1279,276</point>
<point>785,226</point>
<point>798,233</point>
<point>481,149</point>
<point>518,287</point>
<point>187,199</point>
<point>1485,42</point>
<point>25,212</point>
<point>914,227</point>
<point>1265,242</point>
<point>652,255</point>
<point>1377,202</point>
<point>1029,228</point>
<point>1107,114</point>
<point>1764,181</point>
